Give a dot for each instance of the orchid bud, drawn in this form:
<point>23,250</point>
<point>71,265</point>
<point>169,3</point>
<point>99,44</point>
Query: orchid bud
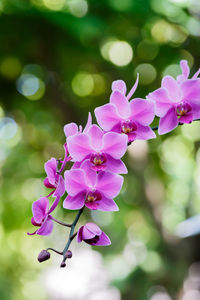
<point>43,255</point>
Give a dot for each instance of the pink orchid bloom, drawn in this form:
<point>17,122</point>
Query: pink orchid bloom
<point>73,129</point>
<point>41,216</point>
<point>103,150</point>
<point>54,180</point>
<point>92,235</point>
<point>94,190</point>
<point>130,118</point>
<point>185,72</point>
<point>176,102</point>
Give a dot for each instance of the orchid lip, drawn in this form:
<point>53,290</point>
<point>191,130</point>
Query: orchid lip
<point>128,127</point>
<point>93,196</point>
<point>98,159</point>
<point>182,109</point>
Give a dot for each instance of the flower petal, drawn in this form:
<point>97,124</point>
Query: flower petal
<point>46,227</point>
<point>121,103</point>
<point>190,90</point>
<point>90,174</point>
<point>96,134</point>
<point>79,146</point>
<point>70,129</point>
<point>79,235</point>
<point>40,209</point>
<point>168,122</point>
<point>107,116</point>
<point>109,184</point>
<point>115,144</point>
<point>185,71</point>
<point>187,118</point>
<point>107,204</point>
<point>119,85</point>
<point>60,190</point>
<point>75,181</point>
<point>172,87</point>
<point>103,240</point>
<point>50,168</point>
<point>116,165</point>
<point>162,101</point>
<point>55,204</point>
<point>89,123</point>
<point>75,202</point>
<point>144,133</point>
<point>142,111</point>
<point>92,228</point>
<point>195,104</point>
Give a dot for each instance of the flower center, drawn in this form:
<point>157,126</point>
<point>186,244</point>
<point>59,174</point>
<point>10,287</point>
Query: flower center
<point>128,126</point>
<point>98,159</point>
<point>92,241</point>
<point>91,197</point>
<point>182,109</point>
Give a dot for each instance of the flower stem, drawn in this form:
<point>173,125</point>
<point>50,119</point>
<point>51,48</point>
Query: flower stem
<point>60,222</point>
<point>58,252</point>
<point>71,234</point>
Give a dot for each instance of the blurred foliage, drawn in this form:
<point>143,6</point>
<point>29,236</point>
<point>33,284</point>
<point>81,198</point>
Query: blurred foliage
<point>58,59</point>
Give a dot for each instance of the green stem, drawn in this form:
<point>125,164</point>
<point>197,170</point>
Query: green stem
<point>71,234</point>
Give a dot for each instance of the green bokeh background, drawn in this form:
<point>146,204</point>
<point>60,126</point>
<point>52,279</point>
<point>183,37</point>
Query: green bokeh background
<point>58,59</point>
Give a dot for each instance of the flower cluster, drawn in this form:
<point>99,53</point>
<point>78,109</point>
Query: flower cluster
<point>95,152</point>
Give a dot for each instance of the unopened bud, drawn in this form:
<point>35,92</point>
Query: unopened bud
<point>63,264</point>
<point>43,255</point>
<point>68,254</point>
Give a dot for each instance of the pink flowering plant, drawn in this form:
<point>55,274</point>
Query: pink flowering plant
<point>95,152</point>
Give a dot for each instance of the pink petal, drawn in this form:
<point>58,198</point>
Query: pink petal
<point>116,165</point>
<point>103,240</point>
<point>109,184</point>
<point>190,90</point>
<point>107,116</point>
<point>75,181</point>
<point>132,91</point>
<point>87,234</point>
<point>79,146</point>
<point>121,103</point>
<point>96,135</point>
<point>119,85</point>
<point>115,144</point>
<point>195,104</point>
<point>79,235</point>
<point>70,129</point>
<point>46,227</point>
<point>60,190</point>
<point>132,136</point>
<point>90,174</point>
<point>93,228</point>
<point>196,74</point>
<point>91,205</point>
<point>48,184</point>
<point>75,202</point>
<point>162,101</point>
<point>55,204</point>
<point>172,87</point>
<point>187,118</point>
<point>185,71</point>
<point>107,204</point>
<point>168,122</point>
<point>89,123</point>
<point>40,209</point>
<point>50,168</point>
<point>142,111</point>
<point>144,133</point>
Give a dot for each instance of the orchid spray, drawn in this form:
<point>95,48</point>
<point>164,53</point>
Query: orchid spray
<point>95,153</point>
